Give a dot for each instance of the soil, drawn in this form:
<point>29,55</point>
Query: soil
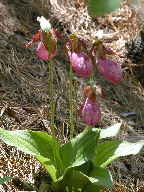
<point>24,91</point>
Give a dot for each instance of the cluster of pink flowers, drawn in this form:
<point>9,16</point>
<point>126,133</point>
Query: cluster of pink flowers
<point>81,63</point>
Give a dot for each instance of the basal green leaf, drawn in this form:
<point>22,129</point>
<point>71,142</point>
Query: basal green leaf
<point>101,7</point>
<point>35,143</point>
<point>110,131</point>
<point>5,179</point>
<point>98,178</point>
<point>80,149</point>
<point>75,178</point>
<point>101,177</point>
<point>49,166</point>
<point>108,151</point>
<point>93,188</point>
<point>85,168</point>
<point>105,153</point>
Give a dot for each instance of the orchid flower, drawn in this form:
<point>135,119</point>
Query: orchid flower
<point>110,70</point>
<point>90,112</point>
<point>81,62</point>
<point>106,67</point>
<point>46,39</point>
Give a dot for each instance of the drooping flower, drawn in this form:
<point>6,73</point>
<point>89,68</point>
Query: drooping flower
<point>43,53</point>
<point>46,39</point>
<point>90,112</point>
<point>110,70</point>
<point>81,63</point>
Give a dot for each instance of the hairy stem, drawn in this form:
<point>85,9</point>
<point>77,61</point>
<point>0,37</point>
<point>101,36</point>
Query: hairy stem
<point>51,95</point>
<point>71,104</point>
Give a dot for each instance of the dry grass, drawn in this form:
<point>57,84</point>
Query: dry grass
<point>24,83</point>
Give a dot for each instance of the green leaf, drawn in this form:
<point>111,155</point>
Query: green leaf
<point>80,149</point>
<point>75,178</point>
<point>93,188</point>
<point>111,131</point>
<point>5,179</point>
<point>85,168</point>
<point>36,143</point>
<point>99,177</point>
<point>108,151</point>
<point>101,7</point>
<point>104,153</point>
<point>49,166</point>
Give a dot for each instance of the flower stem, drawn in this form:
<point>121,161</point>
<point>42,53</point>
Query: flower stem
<point>51,95</point>
<point>71,104</point>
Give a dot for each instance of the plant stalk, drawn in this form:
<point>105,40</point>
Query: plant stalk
<point>71,104</point>
<point>51,95</point>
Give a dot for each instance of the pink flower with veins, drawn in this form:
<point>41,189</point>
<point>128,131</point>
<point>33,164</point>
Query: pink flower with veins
<point>46,47</point>
<point>43,53</point>
<point>90,113</point>
<point>110,70</point>
<point>81,63</point>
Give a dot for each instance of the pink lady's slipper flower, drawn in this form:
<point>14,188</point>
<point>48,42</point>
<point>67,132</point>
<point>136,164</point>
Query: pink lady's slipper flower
<point>90,112</point>
<point>46,39</point>
<point>42,52</point>
<point>110,70</point>
<point>81,63</point>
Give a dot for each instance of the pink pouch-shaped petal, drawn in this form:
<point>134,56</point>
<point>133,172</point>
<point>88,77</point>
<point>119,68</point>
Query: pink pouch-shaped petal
<point>81,63</point>
<point>42,52</point>
<point>110,70</point>
<point>90,113</point>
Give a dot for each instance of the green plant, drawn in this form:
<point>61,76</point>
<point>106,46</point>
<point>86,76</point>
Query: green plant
<point>80,164</point>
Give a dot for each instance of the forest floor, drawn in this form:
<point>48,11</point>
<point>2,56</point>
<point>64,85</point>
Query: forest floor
<point>24,90</point>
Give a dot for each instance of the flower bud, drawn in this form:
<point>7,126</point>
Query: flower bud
<point>81,63</point>
<point>110,70</point>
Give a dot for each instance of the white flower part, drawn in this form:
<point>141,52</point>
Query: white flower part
<point>44,23</point>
